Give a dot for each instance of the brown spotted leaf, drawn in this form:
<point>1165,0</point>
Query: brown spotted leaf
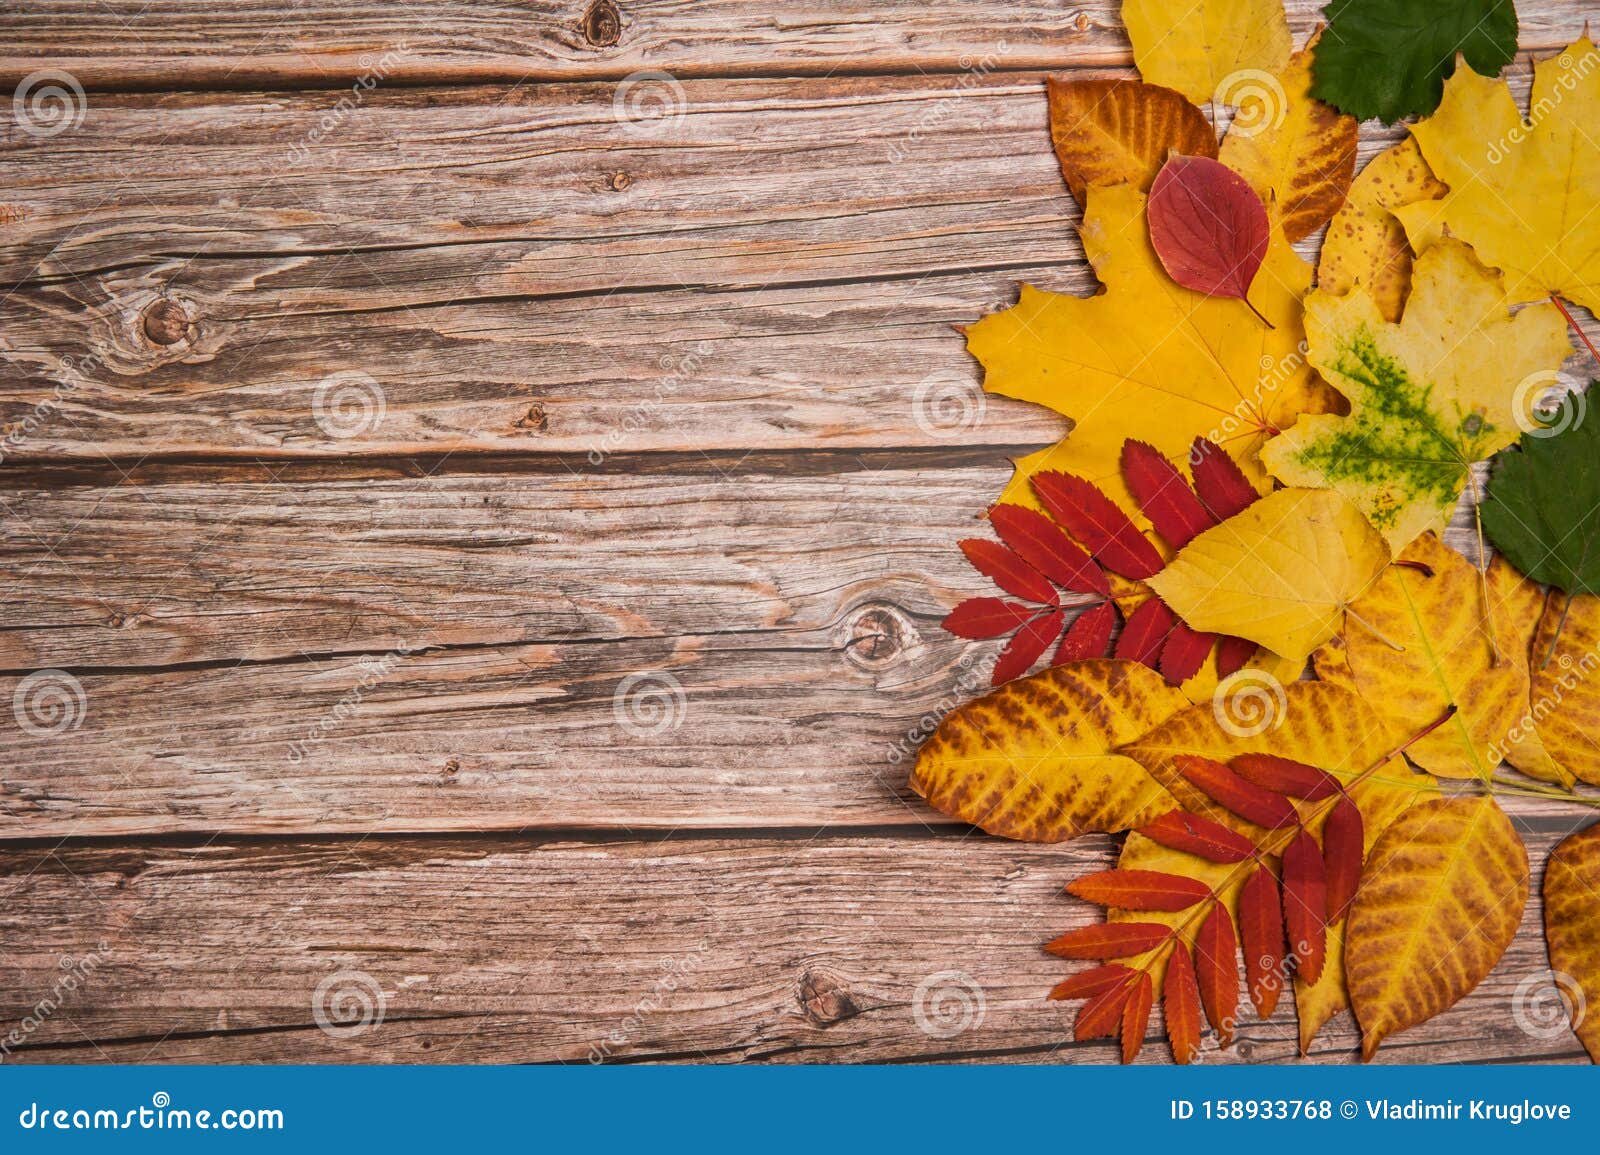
<point>1572,929</point>
<point>1120,131</point>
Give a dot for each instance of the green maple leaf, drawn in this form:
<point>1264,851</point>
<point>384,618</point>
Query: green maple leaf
<point>1390,58</point>
<point>1543,505</point>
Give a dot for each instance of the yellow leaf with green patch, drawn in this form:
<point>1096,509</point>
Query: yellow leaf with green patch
<point>1429,395</point>
<point>1200,47</point>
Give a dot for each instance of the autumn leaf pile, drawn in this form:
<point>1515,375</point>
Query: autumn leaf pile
<point>1265,671</point>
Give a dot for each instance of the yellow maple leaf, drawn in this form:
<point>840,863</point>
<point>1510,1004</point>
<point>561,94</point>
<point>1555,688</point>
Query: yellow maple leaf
<point>1281,573</point>
<point>1200,46</point>
<point>1525,193</point>
<point>1148,359</point>
<point>1429,396</point>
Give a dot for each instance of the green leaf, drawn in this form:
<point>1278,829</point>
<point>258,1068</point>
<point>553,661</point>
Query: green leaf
<point>1543,506</point>
<point>1390,58</point>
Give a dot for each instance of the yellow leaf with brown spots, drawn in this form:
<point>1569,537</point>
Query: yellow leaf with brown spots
<point>1517,605</point>
<point>1440,899</point>
<point>1120,131</point>
<point>1572,928</point>
<point>1037,759</point>
<point>1565,693</point>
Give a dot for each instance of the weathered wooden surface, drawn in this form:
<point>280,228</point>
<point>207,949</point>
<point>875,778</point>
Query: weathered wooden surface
<point>809,948</point>
<point>678,400</point>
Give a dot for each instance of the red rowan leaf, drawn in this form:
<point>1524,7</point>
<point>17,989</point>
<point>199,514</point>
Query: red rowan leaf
<point>1018,655</point>
<point>1139,890</point>
<point>1163,494</point>
<point>1216,963</point>
<point>1286,776</point>
<point>1305,904</point>
<point>1251,802</point>
<point>1089,635</point>
<point>1145,632</point>
<point>1180,1001</point>
<point>986,618</point>
<point>1136,1015</point>
<point>1184,653</point>
<point>1207,225</point>
<point>1261,929</point>
<point>1342,838</point>
<point>1232,654</point>
<point>1008,571</point>
<point>1109,940</point>
<point>1040,543</point>
<point>1101,1016</point>
<point>1092,982</point>
<point>1095,520</point>
<point>1219,481</point>
<point>1192,834</point>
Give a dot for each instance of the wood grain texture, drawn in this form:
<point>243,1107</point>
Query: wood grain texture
<point>809,948</point>
<point>185,44</point>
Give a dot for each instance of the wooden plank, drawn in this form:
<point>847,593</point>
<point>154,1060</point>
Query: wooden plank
<point>809,949</point>
<point>186,44</point>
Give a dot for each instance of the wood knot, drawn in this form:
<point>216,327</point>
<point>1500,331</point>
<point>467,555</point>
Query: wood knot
<point>166,322</point>
<point>825,998</point>
<point>619,181</point>
<point>1082,22</point>
<point>602,24</point>
<point>877,636</point>
<point>534,419</point>
<point>451,769</point>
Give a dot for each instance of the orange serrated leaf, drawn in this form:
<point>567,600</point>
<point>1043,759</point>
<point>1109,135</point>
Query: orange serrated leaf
<point>1305,904</point>
<point>986,618</point>
<point>1092,982</point>
<point>1184,653</point>
<point>1099,523</point>
<point>1101,1016</point>
<point>1109,940</point>
<point>1343,836</point>
<point>1040,543</point>
<point>1286,776</point>
<point>1139,890</point>
<point>1216,960</point>
<point>1180,1001</point>
<point>1163,494</point>
<point>1218,480</point>
<point>1192,834</point>
<point>1089,636</point>
<point>1007,570</point>
<point>1261,931</point>
<point>1145,632</point>
<point>1024,649</point>
<point>1227,789</point>
<point>1136,1015</point>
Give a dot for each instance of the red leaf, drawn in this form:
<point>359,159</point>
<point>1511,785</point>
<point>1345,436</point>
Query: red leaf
<point>1261,928</point>
<point>1136,1015</point>
<point>1207,225</point>
<point>1342,837</point>
<point>1219,481</point>
<point>1305,904</point>
<point>1018,655</point>
<point>1145,632</point>
<point>1089,636</point>
<point>1042,545</point>
<point>1139,890</point>
<point>1102,1015</point>
<point>1092,982</point>
<point>986,618</point>
<point>1286,776</point>
<point>1201,837</point>
<point>1180,1000</point>
<point>1184,653</point>
<point>1107,940</point>
<point>1232,654</point>
<point>1163,494</point>
<point>1216,960</point>
<point>1008,571</point>
<point>1096,521</point>
<point>1251,802</point>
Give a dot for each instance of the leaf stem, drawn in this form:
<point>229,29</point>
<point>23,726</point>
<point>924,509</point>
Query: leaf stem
<point>1376,632</point>
<point>1576,328</point>
<point>1262,317</point>
<point>1555,638</point>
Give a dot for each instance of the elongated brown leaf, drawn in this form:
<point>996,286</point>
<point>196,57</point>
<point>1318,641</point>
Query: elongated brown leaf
<point>1026,646</point>
<point>1208,227</point>
<point>1572,928</point>
<point>1201,837</point>
<point>1109,940</point>
<point>1120,131</point>
<point>1343,835</point>
<point>1136,1015</point>
<point>1286,776</point>
<point>1180,1002</point>
<point>1305,904</point>
<point>1099,523</point>
<point>1216,964</point>
<point>1089,635</point>
<point>1261,931</point>
<point>1008,571</point>
<point>1092,982</point>
<point>1042,545</point>
<point>1139,890</point>
<point>1251,802</point>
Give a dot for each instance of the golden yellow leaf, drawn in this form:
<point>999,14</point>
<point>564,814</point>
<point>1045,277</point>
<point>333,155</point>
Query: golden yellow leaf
<point>1120,131</point>
<point>1429,396</point>
<point>1297,152</point>
<point>1440,900</point>
<point>1280,573</point>
<point>1517,605</point>
<point>1200,47</point>
<point>1565,694</point>
<point>1366,244</point>
<point>1524,193</point>
<point>1435,614</point>
<point>1036,759</point>
<point>1572,929</point>
<point>1149,360</point>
